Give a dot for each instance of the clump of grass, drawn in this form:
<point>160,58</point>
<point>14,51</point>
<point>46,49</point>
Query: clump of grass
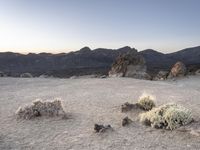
<point>39,108</point>
<point>169,116</point>
<point>146,102</point>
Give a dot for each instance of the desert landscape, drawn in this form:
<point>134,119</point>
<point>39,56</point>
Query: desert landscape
<point>99,75</point>
<point>88,101</point>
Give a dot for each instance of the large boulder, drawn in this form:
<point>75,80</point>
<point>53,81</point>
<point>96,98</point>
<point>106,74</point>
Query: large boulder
<point>131,64</point>
<point>178,70</point>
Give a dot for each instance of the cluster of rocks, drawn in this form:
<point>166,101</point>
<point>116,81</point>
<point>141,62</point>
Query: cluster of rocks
<point>131,64</point>
<point>178,70</point>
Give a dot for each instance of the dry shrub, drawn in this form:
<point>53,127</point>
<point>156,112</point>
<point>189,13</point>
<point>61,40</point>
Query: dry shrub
<point>146,102</point>
<point>39,108</point>
<point>169,116</point>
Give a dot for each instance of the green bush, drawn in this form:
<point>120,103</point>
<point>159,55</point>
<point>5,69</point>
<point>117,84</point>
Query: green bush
<point>169,116</point>
<point>146,103</point>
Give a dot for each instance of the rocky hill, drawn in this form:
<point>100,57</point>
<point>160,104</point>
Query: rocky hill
<point>158,61</point>
<point>82,62</point>
<point>87,61</point>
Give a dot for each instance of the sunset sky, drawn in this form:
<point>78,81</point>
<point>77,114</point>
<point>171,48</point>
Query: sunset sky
<point>65,25</point>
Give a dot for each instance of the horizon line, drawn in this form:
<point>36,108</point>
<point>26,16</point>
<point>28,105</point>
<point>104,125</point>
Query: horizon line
<point>92,49</point>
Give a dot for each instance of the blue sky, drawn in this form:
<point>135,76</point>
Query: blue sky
<point>64,25</point>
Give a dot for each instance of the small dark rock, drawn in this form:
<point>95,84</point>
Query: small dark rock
<point>101,128</point>
<point>126,121</point>
<point>128,107</point>
<point>103,76</point>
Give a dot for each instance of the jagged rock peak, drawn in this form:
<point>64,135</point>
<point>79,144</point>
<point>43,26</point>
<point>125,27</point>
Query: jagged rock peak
<point>85,49</point>
<point>127,49</point>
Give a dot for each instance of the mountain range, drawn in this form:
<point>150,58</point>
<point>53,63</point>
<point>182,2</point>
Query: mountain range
<point>87,61</point>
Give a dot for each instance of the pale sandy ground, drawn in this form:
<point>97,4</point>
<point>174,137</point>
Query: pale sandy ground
<point>90,101</point>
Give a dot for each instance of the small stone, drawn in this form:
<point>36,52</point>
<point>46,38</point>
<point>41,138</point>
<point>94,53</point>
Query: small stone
<point>128,107</point>
<point>101,128</point>
<point>126,121</point>
<point>193,132</point>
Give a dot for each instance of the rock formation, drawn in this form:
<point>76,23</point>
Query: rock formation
<point>162,75</point>
<point>178,70</point>
<point>130,64</point>
<point>26,75</point>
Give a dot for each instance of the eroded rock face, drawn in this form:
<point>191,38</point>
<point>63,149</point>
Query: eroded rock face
<point>129,65</point>
<point>178,70</point>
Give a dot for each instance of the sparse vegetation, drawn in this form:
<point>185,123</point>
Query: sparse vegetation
<point>146,102</point>
<point>39,108</point>
<point>169,116</point>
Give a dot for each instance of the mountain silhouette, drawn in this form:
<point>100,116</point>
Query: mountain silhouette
<point>87,61</point>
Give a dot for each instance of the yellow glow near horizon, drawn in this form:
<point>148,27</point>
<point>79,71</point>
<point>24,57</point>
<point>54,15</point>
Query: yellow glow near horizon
<point>25,39</point>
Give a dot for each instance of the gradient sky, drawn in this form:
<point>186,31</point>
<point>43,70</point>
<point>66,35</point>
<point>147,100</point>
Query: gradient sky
<point>65,25</point>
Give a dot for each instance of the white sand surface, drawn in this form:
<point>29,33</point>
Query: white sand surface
<point>90,101</point>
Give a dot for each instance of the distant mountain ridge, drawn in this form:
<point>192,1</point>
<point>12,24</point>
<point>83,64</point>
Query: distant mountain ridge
<point>87,61</point>
<point>157,61</point>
